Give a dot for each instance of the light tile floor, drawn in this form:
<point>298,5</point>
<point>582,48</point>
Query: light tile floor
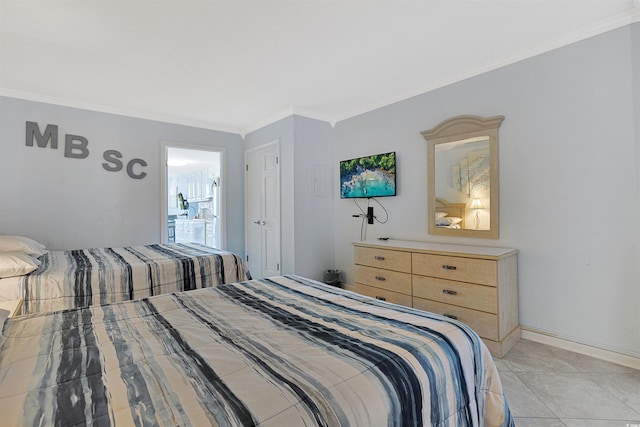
<point>547,386</point>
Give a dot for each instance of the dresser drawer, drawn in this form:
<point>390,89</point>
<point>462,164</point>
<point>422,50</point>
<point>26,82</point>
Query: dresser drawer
<point>484,324</point>
<point>477,297</point>
<point>384,279</point>
<point>461,269</point>
<point>383,258</point>
<point>383,294</point>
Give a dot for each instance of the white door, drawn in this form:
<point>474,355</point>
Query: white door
<point>263,211</point>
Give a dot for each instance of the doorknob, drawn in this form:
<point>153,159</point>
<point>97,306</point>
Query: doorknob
<point>259,222</point>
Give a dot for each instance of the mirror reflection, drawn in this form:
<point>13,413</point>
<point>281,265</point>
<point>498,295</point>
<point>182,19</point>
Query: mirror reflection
<point>463,177</point>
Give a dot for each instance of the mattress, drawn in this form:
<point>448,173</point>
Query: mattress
<point>79,278</point>
<point>285,351</point>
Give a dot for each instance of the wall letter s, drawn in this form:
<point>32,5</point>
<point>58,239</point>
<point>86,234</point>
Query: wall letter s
<point>112,156</point>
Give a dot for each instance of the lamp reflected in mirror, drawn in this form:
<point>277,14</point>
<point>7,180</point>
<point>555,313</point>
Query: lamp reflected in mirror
<point>476,205</point>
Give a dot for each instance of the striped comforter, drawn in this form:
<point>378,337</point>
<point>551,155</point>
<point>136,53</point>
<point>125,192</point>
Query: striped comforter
<point>79,278</point>
<point>285,351</point>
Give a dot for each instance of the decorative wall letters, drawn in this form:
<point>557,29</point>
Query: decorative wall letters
<point>76,147</point>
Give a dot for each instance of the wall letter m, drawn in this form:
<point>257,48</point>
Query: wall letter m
<point>33,133</point>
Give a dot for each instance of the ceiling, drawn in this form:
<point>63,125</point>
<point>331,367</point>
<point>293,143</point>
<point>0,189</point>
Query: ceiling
<point>184,160</point>
<point>236,66</point>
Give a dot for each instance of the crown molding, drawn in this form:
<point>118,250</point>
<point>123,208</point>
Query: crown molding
<point>628,17</point>
<point>315,115</point>
<point>294,111</point>
<point>632,15</point>
<point>28,96</point>
<point>266,122</point>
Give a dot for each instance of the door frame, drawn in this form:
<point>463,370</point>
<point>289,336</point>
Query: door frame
<point>276,144</point>
<point>164,185</point>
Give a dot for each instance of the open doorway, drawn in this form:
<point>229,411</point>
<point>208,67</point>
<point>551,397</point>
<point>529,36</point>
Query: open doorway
<point>193,199</point>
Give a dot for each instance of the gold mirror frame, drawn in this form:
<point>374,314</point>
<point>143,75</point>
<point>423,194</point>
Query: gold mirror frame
<point>462,128</point>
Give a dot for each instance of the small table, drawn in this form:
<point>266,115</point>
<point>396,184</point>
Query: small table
<point>14,307</point>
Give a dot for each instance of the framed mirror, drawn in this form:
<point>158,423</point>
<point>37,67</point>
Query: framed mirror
<point>463,186</point>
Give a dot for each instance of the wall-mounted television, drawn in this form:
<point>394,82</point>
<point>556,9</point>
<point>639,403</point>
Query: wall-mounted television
<point>370,176</point>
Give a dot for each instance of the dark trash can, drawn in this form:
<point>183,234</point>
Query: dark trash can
<point>332,277</point>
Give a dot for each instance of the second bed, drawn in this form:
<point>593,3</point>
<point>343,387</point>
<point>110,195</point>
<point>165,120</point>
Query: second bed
<point>96,276</point>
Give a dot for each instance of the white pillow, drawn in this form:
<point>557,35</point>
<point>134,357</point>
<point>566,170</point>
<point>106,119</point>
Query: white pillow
<point>21,244</point>
<point>16,264</point>
<point>450,220</point>
<point>440,215</point>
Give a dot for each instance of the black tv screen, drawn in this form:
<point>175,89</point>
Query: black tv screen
<point>370,176</point>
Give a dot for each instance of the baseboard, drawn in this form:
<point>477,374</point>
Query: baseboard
<point>598,353</point>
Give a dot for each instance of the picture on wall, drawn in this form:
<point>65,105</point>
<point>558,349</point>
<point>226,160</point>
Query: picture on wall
<point>471,174</point>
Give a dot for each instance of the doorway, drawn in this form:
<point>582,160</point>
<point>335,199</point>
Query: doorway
<point>193,196</point>
<point>262,214</point>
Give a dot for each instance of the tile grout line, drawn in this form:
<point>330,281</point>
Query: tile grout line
<point>536,395</point>
<point>609,393</point>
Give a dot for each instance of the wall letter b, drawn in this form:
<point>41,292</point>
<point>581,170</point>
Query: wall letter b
<point>76,146</point>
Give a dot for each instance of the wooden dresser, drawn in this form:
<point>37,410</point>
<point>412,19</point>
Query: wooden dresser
<point>477,285</point>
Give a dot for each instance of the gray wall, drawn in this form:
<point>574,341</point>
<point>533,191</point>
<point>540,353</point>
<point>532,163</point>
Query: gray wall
<point>313,197</point>
<point>635,43</point>
<point>69,203</point>
<point>569,182</point>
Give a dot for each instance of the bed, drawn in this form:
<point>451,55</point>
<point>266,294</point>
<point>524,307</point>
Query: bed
<point>284,351</point>
<point>83,277</point>
<point>450,215</point>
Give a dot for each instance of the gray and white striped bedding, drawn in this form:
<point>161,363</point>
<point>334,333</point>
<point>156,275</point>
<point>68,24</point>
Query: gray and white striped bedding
<point>285,351</point>
<point>83,277</point>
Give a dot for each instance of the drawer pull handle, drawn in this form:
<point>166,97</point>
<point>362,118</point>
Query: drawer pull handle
<point>449,267</point>
<point>449,292</point>
<point>380,298</point>
<point>378,258</point>
<point>450,316</point>
<point>380,278</point>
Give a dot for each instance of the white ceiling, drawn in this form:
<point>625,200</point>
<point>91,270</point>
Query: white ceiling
<point>184,160</point>
<point>239,65</point>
